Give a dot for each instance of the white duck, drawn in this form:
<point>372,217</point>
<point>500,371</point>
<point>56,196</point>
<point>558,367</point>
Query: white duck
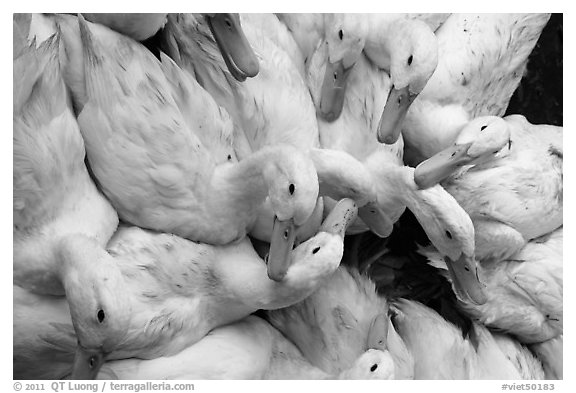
<point>445,222</point>
<point>248,349</point>
<point>55,200</point>
<point>262,108</point>
<point>513,191</point>
<point>158,293</point>
<point>147,148</point>
<point>339,322</point>
<point>481,60</point>
<point>441,352</point>
<point>524,292</point>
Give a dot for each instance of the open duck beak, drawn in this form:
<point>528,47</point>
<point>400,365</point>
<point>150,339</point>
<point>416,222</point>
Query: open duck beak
<point>235,48</point>
<point>397,105</point>
<point>375,219</point>
<point>465,279</point>
<point>87,363</point>
<point>378,333</point>
<point>333,90</point>
<point>441,165</point>
<point>343,214</point>
<point>283,237</point>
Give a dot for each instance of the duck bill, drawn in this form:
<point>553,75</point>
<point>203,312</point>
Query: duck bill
<point>464,276</point>
<point>376,220</point>
<point>343,214</point>
<point>378,333</point>
<point>441,165</point>
<point>333,90</point>
<point>234,46</point>
<point>397,105</point>
<point>281,244</point>
<point>86,363</point>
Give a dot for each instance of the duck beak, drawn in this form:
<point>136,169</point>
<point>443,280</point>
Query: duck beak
<point>441,165</point>
<point>378,333</point>
<point>464,276</point>
<point>234,46</point>
<point>333,90</point>
<point>87,363</point>
<point>397,105</point>
<point>282,242</point>
<point>376,220</point>
<point>343,214</point>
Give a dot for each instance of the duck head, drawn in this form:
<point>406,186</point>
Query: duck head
<point>344,40</point>
<point>413,57</point>
<point>292,184</point>
<point>100,313</point>
<point>483,139</point>
<point>372,364</point>
<point>233,44</point>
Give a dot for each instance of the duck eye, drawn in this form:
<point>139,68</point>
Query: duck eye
<point>228,23</point>
<point>410,60</point>
<point>314,251</point>
<point>286,233</point>
<point>101,316</point>
<point>374,367</point>
<point>340,34</point>
<point>291,189</point>
<point>483,128</point>
<point>449,234</point>
<point>92,361</point>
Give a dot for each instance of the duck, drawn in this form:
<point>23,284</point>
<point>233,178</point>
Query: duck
<point>550,354</point>
<point>447,225</point>
<point>155,165</point>
<point>341,320</point>
<point>175,291</point>
<point>441,351</point>
<point>513,193</point>
<point>262,107</point>
<point>55,198</point>
<point>248,349</point>
<point>481,60</point>
<point>400,45</point>
<point>524,292</point>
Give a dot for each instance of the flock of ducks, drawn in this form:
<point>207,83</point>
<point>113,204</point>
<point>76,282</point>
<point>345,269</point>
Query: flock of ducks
<point>180,206</point>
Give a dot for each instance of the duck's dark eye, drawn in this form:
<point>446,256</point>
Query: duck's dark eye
<point>92,361</point>
<point>410,60</point>
<point>314,251</point>
<point>374,367</point>
<point>466,268</point>
<point>101,316</point>
<point>340,34</point>
<point>482,128</point>
<point>291,189</point>
<point>449,234</point>
<point>228,23</point>
<point>229,157</point>
<point>286,233</point>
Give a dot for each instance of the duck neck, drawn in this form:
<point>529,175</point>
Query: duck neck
<point>378,46</point>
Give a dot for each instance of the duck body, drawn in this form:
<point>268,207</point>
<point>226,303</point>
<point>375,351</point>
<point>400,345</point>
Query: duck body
<point>54,196</point>
<point>524,292</point>
<point>247,349</point>
<point>441,351</point>
<point>155,163</point>
<point>482,58</point>
<point>517,197</point>
<point>339,322</point>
